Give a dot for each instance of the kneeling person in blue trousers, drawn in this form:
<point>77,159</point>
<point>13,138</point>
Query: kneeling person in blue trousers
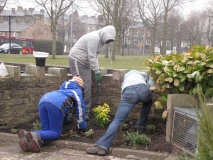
<point>53,110</point>
<point>136,87</point>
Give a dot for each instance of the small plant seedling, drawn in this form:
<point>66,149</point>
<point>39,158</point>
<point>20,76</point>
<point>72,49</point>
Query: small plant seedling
<point>89,133</point>
<point>13,130</point>
<point>37,125</point>
<point>74,134</point>
<point>124,126</point>
<point>150,127</point>
<point>134,139</point>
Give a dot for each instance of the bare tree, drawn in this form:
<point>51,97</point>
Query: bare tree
<point>55,9</point>
<point>114,12</point>
<point>2,4</point>
<point>151,12</point>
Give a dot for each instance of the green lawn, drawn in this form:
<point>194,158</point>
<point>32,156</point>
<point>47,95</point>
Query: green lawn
<point>120,62</point>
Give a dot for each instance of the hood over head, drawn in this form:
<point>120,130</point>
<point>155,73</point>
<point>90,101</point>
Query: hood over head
<point>107,34</point>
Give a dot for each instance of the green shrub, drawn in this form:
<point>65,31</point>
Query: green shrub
<point>46,46</point>
<point>102,115</point>
<point>134,138</point>
<point>181,73</point>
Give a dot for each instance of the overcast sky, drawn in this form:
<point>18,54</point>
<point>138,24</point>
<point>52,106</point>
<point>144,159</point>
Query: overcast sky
<point>198,5</point>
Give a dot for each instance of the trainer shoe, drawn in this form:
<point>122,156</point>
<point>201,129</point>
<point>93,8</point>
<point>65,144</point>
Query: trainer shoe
<point>22,133</point>
<point>24,145</point>
<point>96,150</point>
<point>34,139</point>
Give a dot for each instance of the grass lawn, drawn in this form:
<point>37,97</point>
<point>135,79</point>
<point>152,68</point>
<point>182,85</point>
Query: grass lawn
<point>120,62</point>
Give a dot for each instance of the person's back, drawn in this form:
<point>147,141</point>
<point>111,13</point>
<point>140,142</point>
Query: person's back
<point>135,89</point>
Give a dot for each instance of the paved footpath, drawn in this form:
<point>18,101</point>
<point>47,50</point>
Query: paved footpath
<point>9,150</point>
<point>66,150</point>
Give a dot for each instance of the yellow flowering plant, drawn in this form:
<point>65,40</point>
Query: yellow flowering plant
<point>102,115</point>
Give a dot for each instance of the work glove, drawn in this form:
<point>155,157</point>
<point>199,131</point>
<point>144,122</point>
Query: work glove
<point>98,76</point>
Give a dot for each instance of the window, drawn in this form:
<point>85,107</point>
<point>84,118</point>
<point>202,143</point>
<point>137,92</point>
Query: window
<point>136,33</point>
<point>168,43</point>
<point>127,41</point>
<point>148,42</point>
<point>136,41</point>
<point>127,32</point>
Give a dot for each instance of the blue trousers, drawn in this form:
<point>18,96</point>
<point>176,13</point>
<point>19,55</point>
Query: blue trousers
<point>51,121</point>
<point>130,97</point>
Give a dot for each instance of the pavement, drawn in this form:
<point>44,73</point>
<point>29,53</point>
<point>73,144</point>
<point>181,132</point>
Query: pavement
<point>62,149</point>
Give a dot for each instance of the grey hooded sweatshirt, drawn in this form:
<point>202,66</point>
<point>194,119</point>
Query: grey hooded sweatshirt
<point>90,45</point>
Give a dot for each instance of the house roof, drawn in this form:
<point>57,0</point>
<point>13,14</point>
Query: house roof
<point>15,26</point>
<point>89,20</point>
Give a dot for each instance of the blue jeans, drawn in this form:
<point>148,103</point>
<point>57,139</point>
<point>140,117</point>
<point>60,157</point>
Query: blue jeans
<point>130,97</point>
<point>51,121</point>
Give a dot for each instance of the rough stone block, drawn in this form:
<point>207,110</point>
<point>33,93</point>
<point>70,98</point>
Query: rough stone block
<point>50,78</point>
<point>118,74</point>
<point>107,79</point>
<point>27,77</point>
<point>170,114</point>
<point>60,72</point>
<point>168,138</point>
<point>69,76</point>
<point>169,129</point>
<point>14,71</point>
<point>103,71</point>
<point>38,72</point>
<point>181,100</point>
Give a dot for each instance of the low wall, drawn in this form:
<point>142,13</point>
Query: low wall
<point>21,91</point>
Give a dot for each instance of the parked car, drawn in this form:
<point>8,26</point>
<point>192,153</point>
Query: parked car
<point>15,48</point>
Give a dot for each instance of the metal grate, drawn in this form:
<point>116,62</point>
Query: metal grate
<point>184,129</point>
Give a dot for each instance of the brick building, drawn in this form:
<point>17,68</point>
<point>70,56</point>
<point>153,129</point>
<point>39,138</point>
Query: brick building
<point>25,23</point>
<point>29,23</point>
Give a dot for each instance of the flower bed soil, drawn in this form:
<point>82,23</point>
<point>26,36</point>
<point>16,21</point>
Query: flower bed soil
<point>158,136</point>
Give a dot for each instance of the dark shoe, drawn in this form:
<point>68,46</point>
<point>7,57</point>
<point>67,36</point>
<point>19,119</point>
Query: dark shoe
<point>22,133</point>
<point>96,150</point>
<point>140,130</point>
<point>35,147</point>
<point>24,145</point>
<point>34,139</point>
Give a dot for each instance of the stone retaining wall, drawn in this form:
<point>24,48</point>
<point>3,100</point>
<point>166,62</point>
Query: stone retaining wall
<point>21,91</point>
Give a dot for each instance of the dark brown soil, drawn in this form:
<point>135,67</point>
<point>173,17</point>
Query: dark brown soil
<point>157,136</point>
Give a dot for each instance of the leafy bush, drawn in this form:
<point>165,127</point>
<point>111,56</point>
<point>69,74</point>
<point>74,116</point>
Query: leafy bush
<point>102,114</point>
<point>134,138</point>
<point>46,46</point>
<point>181,73</point>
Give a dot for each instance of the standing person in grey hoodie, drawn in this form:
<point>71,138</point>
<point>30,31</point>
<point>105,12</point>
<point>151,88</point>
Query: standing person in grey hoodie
<point>83,58</point>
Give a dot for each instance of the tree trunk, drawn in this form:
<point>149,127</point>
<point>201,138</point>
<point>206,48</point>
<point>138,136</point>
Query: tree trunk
<point>54,41</point>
